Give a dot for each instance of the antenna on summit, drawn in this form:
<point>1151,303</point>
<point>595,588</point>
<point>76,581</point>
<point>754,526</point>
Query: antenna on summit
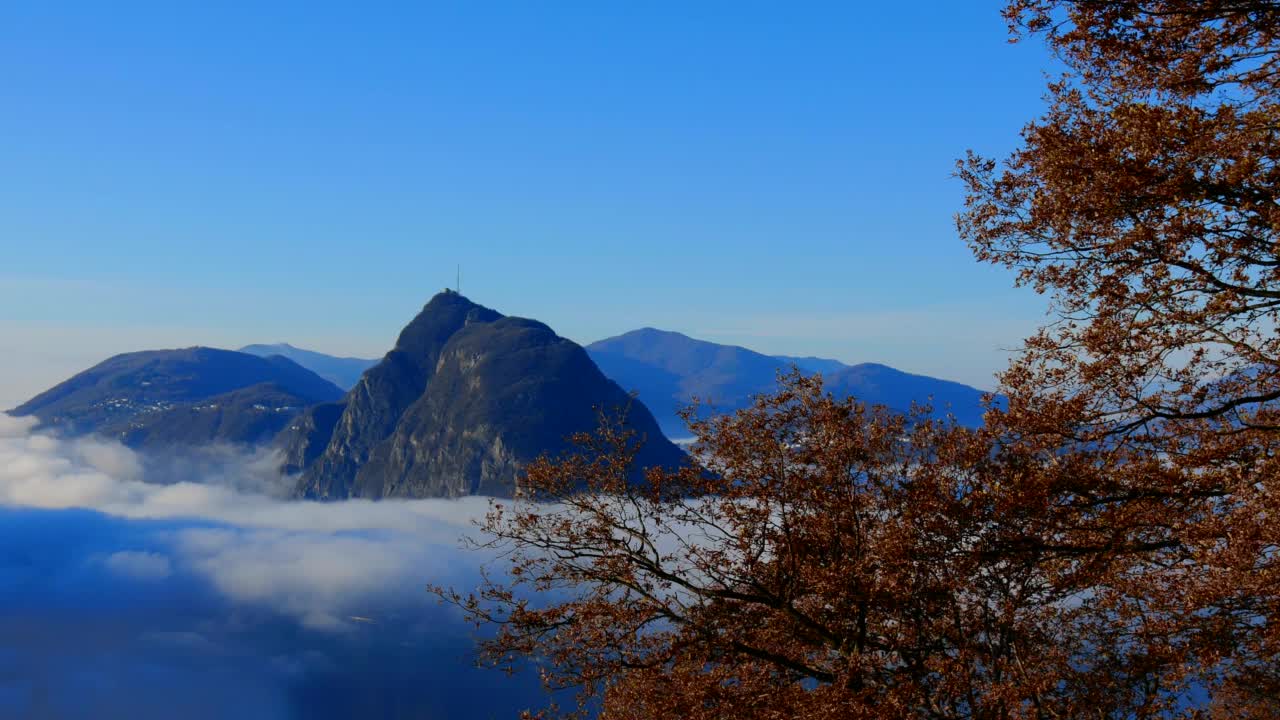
<point>457,287</point>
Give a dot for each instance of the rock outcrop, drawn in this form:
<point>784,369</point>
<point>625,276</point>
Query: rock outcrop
<point>461,405</point>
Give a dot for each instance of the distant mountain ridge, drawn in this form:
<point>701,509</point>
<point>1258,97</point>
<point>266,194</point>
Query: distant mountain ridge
<point>194,396</point>
<point>812,364</point>
<point>668,369</point>
<point>462,403</point>
<point>341,371</point>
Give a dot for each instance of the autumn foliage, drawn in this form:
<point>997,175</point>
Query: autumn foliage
<point>1106,546</point>
<point>764,580</point>
<point>1144,203</point>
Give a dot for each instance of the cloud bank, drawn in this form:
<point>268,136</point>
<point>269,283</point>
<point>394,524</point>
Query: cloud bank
<point>140,587</point>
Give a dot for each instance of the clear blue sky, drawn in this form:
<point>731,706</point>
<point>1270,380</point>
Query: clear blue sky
<point>776,175</point>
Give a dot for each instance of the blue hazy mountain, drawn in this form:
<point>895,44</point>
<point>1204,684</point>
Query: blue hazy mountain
<point>462,403</point>
<point>667,370</point>
<point>812,364</point>
<point>191,396</point>
<point>341,371</point>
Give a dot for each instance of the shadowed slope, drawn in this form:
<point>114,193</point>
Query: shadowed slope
<point>463,403</point>
<point>190,396</point>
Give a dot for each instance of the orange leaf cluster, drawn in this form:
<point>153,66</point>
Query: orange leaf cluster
<point>1106,546</point>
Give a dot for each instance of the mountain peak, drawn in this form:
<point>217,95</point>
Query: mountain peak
<point>442,316</point>
<point>466,399</point>
<point>449,295</point>
<point>649,331</point>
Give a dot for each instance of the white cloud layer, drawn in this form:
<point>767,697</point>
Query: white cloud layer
<point>314,560</point>
<point>139,565</point>
<point>121,573</point>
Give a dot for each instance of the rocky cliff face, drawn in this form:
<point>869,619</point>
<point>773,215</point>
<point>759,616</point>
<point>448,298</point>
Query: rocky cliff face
<point>375,404</point>
<point>463,403</point>
<point>307,435</point>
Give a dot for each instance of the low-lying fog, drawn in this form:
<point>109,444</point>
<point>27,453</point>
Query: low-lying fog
<point>138,588</point>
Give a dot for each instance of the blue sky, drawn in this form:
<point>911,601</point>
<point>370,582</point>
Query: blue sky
<point>772,175</point>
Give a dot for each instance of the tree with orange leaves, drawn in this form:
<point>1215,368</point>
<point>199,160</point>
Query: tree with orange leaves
<point>823,560</point>
<point>1107,546</point>
<point>1146,204</point>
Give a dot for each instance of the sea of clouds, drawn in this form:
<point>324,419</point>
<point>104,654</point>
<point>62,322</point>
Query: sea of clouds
<point>188,586</point>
